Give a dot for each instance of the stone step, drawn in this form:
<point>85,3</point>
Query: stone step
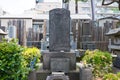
<point>42,75</point>
<point>57,76</point>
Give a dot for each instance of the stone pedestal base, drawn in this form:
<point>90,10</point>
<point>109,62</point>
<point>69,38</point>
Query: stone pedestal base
<point>86,74</point>
<point>59,65</point>
<point>42,75</point>
<point>65,59</point>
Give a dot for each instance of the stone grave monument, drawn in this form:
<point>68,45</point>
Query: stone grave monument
<point>59,58</point>
<point>59,61</point>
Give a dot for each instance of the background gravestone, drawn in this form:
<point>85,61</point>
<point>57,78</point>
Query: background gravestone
<point>59,30</point>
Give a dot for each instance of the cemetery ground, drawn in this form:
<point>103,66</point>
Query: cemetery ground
<point>17,62</point>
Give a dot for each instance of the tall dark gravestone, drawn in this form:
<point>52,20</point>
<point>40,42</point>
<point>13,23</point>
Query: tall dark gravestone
<point>59,57</point>
<point>59,30</point>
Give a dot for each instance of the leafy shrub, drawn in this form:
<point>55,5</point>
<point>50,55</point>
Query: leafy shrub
<point>111,76</point>
<point>118,75</point>
<point>15,60</point>
<point>31,57</point>
<point>100,61</point>
<point>11,67</point>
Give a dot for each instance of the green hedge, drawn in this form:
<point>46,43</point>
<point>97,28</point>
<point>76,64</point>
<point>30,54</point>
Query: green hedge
<point>13,62</point>
<point>31,57</point>
<point>112,76</point>
<point>100,61</point>
<point>10,61</point>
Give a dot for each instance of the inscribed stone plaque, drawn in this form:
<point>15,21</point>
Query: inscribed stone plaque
<point>59,30</point>
<point>60,65</point>
<point>47,59</point>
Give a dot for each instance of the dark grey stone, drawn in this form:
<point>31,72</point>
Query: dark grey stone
<point>57,77</point>
<point>48,55</point>
<point>42,75</point>
<point>59,30</point>
<point>86,73</point>
<point>60,65</point>
<point>32,75</point>
<point>116,62</point>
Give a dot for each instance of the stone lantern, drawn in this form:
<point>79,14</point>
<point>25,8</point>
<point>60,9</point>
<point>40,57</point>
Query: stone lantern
<point>114,45</point>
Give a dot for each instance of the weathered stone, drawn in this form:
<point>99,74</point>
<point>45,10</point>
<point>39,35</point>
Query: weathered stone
<point>59,30</point>
<point>42,75</point>
<point>60,65</point>
<point>58,57</point>
<point>116,62</point>
<point>57,77</point>
<point>86,73</point>
<point>48,55</point>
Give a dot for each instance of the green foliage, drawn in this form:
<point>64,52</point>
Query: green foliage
<point>15,60</point>
<point>118,25</point>
<point>111,76</point>
<point>31,57</point>
<point>11,67</point>
<point>115,9</point>
<point>101,62</point>
<point>118,75</point>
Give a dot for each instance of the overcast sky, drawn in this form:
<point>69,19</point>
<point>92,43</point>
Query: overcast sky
<point>18,6</point>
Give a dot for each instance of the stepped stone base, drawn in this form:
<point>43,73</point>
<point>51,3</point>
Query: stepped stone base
<point>42,75</point>
<point>57,76</point>
<point>68,58</point>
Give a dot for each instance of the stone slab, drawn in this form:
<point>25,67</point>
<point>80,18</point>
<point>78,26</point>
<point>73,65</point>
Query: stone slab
<point>48,55</point>
<point>60,65</point>
<point>59,30</point>
<point>86,74</point>
<point>57,77</point>
<point>116,62</point>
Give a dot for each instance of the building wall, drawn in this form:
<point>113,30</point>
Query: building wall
<point>28,24</point>
<point>47,6</point>
<point>4,22</point>
<point>99,10</point>
<point>43,8</point>
<point>39,1</point>
<point>83,7</point>
<point>105,11</point>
